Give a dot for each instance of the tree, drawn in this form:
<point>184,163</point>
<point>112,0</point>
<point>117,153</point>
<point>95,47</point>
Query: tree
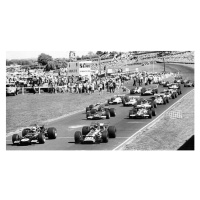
<point>50,66</point>
<point>43,59</point>
<point>99,53</point>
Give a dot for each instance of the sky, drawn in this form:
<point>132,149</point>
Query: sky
<point>35,54</point>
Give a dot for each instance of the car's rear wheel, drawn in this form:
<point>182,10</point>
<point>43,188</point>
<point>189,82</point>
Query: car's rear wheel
<point>112,132</point>
<point>87,109</point>
<point>173,97</point>
<point>41,138</point>
<point>164,101</point>
<point>91,106</point>
<point>153,112</point>
<point>15,137</point>
<point>167,100</point>
<point>112,112</point>
<point>52,133</point>
<point>105,136</point>
<point>85,130</point>
<point>107,114</point>
<point>88,114</point>
<point>78,137</point>
<point>150,114</point>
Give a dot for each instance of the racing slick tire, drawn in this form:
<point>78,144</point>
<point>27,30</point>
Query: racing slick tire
<point>142,91</point>
<point>104,136</point>
<point>153,112</point>
<point>167,100</point>
<point>41,138</point>
<point>112,132</point>
<point>85,130</point>
<point>91,106</point>
<point>15,137</point>
<point>88,114</point>
<point>173,97</point>
<point>52,133</point>
<point>107,114</point>
<point>112,112</point>
<point>87,109</point>
<point>78,138</point>
<point>150,114</point>
<point>93,111</point>
<point>164,101</point>
<point>123,102</point>
<point>24,132</point>
<point>112,98</point>
<point>130,113</point>
<point>132,91</point>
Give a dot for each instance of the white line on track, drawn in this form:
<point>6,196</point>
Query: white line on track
<point>152,122</point>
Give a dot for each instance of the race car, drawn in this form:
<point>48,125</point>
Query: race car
<point>179,79</point>
<point>95,133</point>
<point>170,93</point>
<point>148,91</point>
<point>150,103</point>
<point>100,111</point>
<point>136,90</point>
<point>160,98</point>
<point>142,111</point>
<point>130,100</point>
<point>166,84</point>
<point>34,134</point>
<point>176,87</point>
<point>117,99</point>
<point>11,89</point>
<point>189,83</point>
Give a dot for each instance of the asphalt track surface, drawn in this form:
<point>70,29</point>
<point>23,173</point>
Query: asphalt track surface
<point>126,127</point>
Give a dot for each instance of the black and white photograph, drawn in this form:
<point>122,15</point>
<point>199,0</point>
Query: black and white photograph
<point>99,100</point>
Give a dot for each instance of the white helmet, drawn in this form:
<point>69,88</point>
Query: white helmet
<point>34,128</point>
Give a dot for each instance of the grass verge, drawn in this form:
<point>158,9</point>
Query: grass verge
<point>167,133</point>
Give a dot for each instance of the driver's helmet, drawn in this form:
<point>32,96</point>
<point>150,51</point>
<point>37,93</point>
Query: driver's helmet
<point>96,126</point>
<point>33,128</point>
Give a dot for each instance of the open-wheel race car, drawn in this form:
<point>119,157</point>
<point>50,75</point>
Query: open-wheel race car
<point>179,79</point>
<point>34,134</point>
<point>95,133</point>
<point>117,99</point>
<point>165,83</point>
<point>160,99</point>
<point>176,87</point>
<point>189,83</point>
<point>130,100</point>
<point>100,111</point>
<point>170,93</point>
<point>136,90</point>
<point>149,91</point>
<point>142,111</point>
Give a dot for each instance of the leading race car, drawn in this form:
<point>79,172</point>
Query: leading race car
<point>95,133</point>
<point>117,99</point>
<point>34,134</point>
<point>142,111</point>
<point>100,111</point>
<point>189,83</point>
